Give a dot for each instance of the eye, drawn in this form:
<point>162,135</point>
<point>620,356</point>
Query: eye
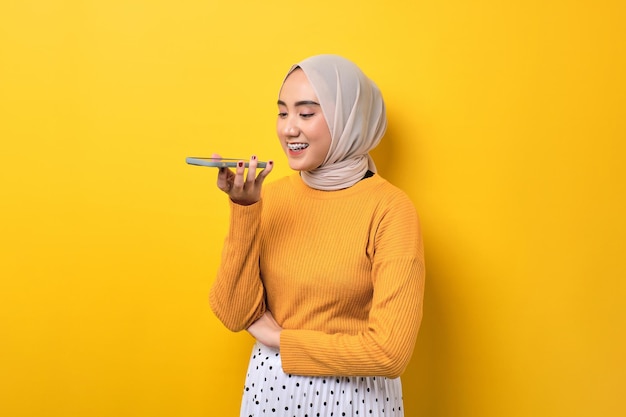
<point>282,115</point>
<point>307,115</point>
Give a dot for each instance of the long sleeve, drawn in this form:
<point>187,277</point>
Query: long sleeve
<point>237,296</point>
<point>385,345</point>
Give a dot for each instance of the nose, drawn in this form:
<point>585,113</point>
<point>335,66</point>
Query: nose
<point>290,127</point>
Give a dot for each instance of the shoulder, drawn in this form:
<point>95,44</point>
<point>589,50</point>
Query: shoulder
<point>390,196</point>
<point>397,226</point>
<point>396,217</point>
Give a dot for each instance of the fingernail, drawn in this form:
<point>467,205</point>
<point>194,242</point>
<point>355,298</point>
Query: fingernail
<point>240,164</point>
<point>271,162</point>
<point>253,157</point>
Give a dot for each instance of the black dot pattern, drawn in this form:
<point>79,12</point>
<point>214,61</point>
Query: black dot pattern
<point>268,391</point>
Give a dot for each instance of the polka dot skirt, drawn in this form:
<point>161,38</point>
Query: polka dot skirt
<point>268,391</point>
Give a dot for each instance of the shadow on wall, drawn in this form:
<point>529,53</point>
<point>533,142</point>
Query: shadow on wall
<point>427,387</point>
<point>428,390</point>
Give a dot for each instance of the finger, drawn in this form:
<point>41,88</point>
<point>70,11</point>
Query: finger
<point>252,169</point>
<point>268,168</point>
<point>221,174</point>
<point>224,175</point>
<point>239,171</point>
<point>224,179</point>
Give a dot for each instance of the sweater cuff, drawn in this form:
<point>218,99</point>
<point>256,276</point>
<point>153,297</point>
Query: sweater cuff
<point>288,346</point>
<point>244,219</point>
<point>294,359</point>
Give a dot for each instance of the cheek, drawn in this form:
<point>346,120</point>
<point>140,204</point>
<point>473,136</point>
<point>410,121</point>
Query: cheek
<point>322,133</point>
<point>314,130</point>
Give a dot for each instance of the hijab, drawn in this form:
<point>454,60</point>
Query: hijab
<point>355,112</point>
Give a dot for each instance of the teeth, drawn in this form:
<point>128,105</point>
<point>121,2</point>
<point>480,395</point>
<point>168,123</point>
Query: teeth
<point>297,146</point>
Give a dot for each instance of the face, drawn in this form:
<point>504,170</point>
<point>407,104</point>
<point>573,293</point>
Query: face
<point>301,126</point>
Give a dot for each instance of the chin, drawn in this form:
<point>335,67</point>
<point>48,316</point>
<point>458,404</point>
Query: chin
<point>297,167</point>
<point>303,162</point>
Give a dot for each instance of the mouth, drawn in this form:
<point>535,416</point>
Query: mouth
<point>296,147</point>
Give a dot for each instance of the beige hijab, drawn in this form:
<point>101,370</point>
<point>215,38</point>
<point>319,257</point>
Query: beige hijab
<point>355,112</point>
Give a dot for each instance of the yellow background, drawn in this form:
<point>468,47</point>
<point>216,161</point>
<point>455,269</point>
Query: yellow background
<point>507,123</point>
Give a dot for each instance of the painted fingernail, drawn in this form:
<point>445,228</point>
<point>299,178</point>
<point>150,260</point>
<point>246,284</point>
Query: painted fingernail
<point>253,157</point>
<point>239,164</point>
<point>270,162</point>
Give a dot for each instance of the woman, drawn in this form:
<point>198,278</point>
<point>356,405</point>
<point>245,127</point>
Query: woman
<point>324,267</point>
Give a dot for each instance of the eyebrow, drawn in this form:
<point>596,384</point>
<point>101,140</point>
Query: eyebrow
<point>300,103</point>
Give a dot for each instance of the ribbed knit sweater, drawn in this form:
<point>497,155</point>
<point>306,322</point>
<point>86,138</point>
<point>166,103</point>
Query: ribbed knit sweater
<point>341,271</point>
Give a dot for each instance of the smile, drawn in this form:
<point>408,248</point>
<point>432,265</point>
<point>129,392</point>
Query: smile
<point>297,146</point>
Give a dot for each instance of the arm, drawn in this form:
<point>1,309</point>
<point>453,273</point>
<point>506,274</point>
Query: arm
<point>237,295</point>
<point>385,346</point>
<point>266,330</point>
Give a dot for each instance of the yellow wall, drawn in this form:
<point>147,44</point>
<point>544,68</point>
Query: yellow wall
<point>507,123</point>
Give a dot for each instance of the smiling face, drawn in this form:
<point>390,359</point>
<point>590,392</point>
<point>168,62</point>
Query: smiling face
<point>301,126</point>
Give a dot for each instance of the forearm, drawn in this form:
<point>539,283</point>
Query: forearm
<point>314,353</point>
<point>383,348</point>
<point>237,295</point>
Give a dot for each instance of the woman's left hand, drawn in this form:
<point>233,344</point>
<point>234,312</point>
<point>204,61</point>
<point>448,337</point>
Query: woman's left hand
<point>266,330</point>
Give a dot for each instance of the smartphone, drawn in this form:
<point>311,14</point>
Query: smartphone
<point>220,162</point>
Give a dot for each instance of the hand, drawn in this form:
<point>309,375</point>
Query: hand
<point>266,330</point>
<point>244,191</point>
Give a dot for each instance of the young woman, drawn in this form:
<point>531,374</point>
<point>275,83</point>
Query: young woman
<point>325,267</point>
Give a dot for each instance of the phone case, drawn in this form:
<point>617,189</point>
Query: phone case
<point>220,163</point>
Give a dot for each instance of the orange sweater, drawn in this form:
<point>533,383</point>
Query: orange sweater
<point>341,271</point>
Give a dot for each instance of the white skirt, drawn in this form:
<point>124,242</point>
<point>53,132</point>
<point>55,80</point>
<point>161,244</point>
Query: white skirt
<point>268,391</point>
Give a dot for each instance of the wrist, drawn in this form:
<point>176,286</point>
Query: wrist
<point>277,339</point>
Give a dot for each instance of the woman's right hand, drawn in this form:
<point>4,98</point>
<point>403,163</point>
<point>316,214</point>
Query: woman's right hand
<point>266,330</point>
<point>242,188</point>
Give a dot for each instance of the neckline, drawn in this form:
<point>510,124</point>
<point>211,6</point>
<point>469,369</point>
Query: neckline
<point>363,185</point>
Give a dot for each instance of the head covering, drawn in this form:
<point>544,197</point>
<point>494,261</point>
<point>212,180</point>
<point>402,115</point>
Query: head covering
<point>355,112</point>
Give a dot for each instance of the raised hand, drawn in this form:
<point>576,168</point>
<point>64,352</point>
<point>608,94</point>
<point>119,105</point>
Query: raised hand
<point>242,188</point>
